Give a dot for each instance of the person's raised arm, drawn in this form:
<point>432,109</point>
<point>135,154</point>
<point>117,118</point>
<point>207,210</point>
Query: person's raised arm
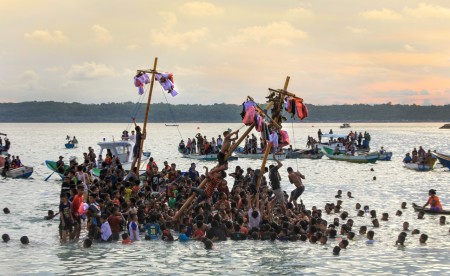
<point>134,121</point>
<point>279,164</point>
<point>206,171</point>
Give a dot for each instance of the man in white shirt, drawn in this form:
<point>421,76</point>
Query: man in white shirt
<point>105,229</point>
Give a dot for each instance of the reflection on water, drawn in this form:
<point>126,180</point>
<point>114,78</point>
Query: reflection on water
<point>30,199</point>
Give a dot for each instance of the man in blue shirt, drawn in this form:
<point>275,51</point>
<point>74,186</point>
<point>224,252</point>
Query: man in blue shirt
<point>152,228</point>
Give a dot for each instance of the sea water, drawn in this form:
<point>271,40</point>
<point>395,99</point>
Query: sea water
<point>30,199</point>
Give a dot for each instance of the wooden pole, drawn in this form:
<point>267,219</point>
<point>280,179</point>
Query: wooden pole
<point>269,146</point>
<point>230,151</point>
<point>144,130</point>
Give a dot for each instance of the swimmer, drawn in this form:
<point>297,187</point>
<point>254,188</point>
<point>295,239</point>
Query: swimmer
<point>360,213</point>
<point>376,223</point>
<point>373,214</point>
<point>350,235</point>
<point>349,194</point>
<point>24,240</point>
<point>357,206</point>
<point>362,230</point>
<point>366,208</point>
<point>336,250</point>
<point>87,243</point>
<point>126,239</point>
<point>442,220</point>
<point>398,213</point>
<point>423,239</point>
<point>5,238</point>
<point>405,226</point>
<point>339,194</point>
<point>403,205</point>
<point>400,240</point>
<point>415,232</point>
<point>50,215</point>
<point>6,210</point>
<point>370,236</point>
<point>343,244</point>
<point>420,215</point>
<point>208,244</point>
<point>385,217</point>
<point>374,178</point>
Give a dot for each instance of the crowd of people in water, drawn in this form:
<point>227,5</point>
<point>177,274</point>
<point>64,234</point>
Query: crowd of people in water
<point>418,156</point>
<point>123,206</point>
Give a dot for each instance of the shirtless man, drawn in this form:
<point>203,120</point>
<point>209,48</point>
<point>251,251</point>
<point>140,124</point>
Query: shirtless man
<point>296,179</point>
<point>226,145</point>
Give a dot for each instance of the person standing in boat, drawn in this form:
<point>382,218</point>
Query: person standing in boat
<point>433,201</point>
<point>74,141</point>
<point>319,134</point>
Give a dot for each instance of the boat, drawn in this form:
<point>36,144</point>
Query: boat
<point>171,124</point>
<point>122,149</point>
<point>443,159</point>
<point>69,146</point>
<point>446,126</point>
<point>334,142</point>
<point>22,172</point>
<point>422,167</point>
<point>303,154</point>
<point>362,158</point>
<point>345,125</point>
<point>51,165</point>
<point>259,155</point>
<point>418,208</point>
<point>207,157</point>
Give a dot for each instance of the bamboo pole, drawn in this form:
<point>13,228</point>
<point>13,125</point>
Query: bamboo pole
<point>144,130</point>
<point>230,151</point>
<point>269,146</point>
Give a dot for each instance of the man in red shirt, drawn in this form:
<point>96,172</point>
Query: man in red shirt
<point>115,221</point>
<point>78,199</point>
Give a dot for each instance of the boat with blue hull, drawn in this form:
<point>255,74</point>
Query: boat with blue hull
<point>443,159</point>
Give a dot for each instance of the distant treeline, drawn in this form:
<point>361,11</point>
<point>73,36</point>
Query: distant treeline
<point>55,112</point>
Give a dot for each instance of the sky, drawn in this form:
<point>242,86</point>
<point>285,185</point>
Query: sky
<point>335,52</point>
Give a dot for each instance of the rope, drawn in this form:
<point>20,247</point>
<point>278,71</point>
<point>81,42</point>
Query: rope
<point>136,109</point>
<point>170,109</point>
<point>293,137</point>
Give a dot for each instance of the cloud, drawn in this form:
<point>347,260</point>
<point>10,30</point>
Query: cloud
<point>276,33</point>
<point>89,71</point>
<point>301,12</point>
<point>170,38</point>
<point>102,34</point>
<point>431,11</point>
<point>29,80</point>
<point>45,36</point>
<point>356,30</point>
<point>201,9</point>
<point>408,48</point>
<point>383,14</point>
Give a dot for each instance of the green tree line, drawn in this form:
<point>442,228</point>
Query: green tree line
<point>56,112</point>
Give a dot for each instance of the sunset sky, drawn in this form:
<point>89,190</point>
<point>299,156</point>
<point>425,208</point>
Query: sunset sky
<point>335,52</point>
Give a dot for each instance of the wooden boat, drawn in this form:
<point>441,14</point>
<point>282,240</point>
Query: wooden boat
<point>443,159</point>
<point>207,157</point>
<point>51,165</point>
<point>303,154</point>
<point>421,167</point>
<point>124,150</point>
<point>418,208</point>
<point>365,158</point>
<point>22,172</point>
<point>345,125</point>
<point>171,124</point>
<point>446,126</point>
<point>334,142</point>
<point>69,145</point>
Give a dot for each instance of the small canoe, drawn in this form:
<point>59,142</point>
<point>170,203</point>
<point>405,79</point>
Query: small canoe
<point>418,208</point>
<point>421,167</point>
<point>69,146</point>
<point>303,155</point>
<point>22,172</point>
<point>443,159</point>
<point>52,166</point>
<point>369,158</point>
